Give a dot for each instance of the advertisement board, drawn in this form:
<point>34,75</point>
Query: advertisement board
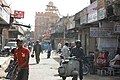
<point>101,13</point>
<point>92,12</point>
<point>92,17</point>
<point>101,32</point>
<point>18,14</point>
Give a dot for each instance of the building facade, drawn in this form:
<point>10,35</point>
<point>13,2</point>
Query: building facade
<point>44,21</point>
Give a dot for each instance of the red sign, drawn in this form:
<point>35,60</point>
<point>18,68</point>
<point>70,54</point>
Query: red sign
<point>18,14</point>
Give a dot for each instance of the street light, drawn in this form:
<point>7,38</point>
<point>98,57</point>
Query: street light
<point>28,26</point>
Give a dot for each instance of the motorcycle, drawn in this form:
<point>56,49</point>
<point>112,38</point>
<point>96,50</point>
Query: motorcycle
<point>69,67</point>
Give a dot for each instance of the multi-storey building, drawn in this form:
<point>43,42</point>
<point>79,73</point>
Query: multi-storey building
<point>44,21</point>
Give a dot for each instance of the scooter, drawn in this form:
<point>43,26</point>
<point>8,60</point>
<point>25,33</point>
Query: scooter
<point>69,67</point>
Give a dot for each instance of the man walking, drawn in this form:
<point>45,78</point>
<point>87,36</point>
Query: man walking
<point>21,54</point>
<point>49,49</point>
<point>77,51</point>
<point>37,49</point>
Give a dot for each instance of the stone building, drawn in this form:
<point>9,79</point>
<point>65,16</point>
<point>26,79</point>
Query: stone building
<point>44,21</point>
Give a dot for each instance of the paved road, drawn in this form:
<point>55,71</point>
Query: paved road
<point>47,70</point>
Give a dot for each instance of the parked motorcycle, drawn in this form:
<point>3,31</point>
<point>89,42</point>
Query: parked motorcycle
<point>86,64</point>
<point>69,67</point>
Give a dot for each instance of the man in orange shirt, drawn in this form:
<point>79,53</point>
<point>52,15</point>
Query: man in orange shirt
<point>22,55</point>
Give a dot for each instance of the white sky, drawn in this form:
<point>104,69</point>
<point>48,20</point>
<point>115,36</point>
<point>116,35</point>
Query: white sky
<point>31,6</point>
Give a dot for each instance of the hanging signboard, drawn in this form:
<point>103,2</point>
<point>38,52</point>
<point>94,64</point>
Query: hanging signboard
<point>18,14</point>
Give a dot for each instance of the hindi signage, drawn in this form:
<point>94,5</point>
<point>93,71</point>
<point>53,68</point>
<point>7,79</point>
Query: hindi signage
<point>101,32</point>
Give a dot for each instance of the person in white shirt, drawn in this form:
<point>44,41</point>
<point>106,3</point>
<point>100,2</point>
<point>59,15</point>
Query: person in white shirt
<point>59,48</point>
<point>65,50</point>
<point>117,57</point>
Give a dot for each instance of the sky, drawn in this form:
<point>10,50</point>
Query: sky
<point>30,7</point>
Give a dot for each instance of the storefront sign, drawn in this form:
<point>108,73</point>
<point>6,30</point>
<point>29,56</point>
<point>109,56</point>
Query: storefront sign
<point>101,32</point>
<point>18,14</point>
<point>92,17</point>
<point>5,16</point>
<point>92,12</point>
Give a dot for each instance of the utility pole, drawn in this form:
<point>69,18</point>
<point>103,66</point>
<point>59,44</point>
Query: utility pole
<point>65,24</point>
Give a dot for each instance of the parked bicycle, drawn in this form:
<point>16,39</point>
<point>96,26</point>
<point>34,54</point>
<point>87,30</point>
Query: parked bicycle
<point>12,71</point>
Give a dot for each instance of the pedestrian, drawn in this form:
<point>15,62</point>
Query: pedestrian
<point>59,48</point>
<point>65,50</point>
<point>49,49</point>
<point>21,54</point>
<point>77,51</point>
<point>115,62</point>
<point>37,49</point>
<point>29,46</point>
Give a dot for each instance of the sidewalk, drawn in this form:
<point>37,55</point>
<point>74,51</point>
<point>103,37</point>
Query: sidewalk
<point>4,61</point>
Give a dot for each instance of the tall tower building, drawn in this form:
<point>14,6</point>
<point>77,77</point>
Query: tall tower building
<point>44,21</point>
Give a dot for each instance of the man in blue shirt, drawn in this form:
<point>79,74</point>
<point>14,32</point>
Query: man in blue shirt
<point>49,48</point>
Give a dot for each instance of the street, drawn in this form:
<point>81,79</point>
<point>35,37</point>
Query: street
<point>47,69</point>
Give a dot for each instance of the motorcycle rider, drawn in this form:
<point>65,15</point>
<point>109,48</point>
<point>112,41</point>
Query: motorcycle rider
<point>77,51</point>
